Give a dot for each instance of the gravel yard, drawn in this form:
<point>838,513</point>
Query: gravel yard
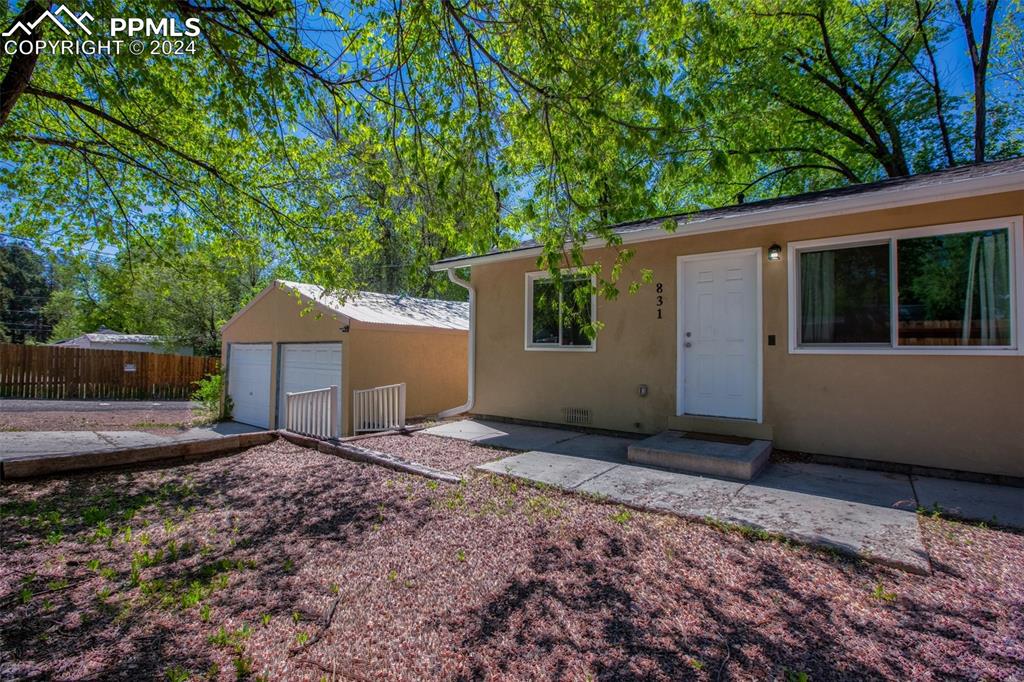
<point>92,416</point>
<point>290,564</point>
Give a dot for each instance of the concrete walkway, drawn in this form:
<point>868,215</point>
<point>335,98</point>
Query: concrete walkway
<point>42,443</point>
<point>868,514</point>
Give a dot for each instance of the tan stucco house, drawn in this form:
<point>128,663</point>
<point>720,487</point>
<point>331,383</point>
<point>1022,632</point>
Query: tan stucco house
<point>294,337</point>
<point>882,322</point>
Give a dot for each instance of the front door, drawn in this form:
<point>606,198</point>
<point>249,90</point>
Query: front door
<point>719,334</point>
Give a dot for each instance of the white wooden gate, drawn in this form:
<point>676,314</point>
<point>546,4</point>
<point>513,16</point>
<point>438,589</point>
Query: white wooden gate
<point>313,413</point>
<point>378,409</point>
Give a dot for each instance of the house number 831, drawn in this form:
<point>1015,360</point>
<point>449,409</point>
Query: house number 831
<point>659,289</point>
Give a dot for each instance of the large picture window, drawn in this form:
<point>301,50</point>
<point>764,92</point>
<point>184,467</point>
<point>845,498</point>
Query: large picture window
<point>941,288</point>
<point>555,319</point>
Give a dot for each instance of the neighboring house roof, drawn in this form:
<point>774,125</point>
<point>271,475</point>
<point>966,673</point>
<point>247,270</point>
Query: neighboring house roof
<point>951,183</point>
<point>379,309</point>
<point>104,335</point>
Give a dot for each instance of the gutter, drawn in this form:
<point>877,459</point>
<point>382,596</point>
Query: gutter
<point>873,200</point>
<point>471,370</point>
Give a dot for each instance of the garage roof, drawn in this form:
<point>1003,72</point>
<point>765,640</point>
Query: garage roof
<point>388,309</point>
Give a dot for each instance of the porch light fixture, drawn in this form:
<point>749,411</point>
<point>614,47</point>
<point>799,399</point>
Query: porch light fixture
<point>774,252</point>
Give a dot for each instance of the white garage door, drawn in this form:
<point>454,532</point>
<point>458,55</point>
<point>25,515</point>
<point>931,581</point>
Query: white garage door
<point>249,383</point>
<point>305,367</point>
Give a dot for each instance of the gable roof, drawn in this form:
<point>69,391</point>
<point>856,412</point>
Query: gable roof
<point>368,307</point>
<point>951,183</point>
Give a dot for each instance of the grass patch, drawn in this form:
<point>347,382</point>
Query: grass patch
<point>542,506</point>
<point>177,674</point>
<point>230,638</point>
<point>881,594</point>
<point>622,516</point>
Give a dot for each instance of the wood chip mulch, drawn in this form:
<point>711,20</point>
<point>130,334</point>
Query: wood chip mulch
<point>448,454</point>
<point>286,563</point>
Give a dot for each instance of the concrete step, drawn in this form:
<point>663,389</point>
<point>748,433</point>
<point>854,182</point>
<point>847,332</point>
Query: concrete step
<point>738,458</point>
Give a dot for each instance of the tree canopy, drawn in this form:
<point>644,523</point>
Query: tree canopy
<point>357,142</point>
<point>25,289</point>
<point>183,297</point>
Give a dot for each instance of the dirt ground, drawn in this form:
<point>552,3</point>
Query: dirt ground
<point>155,420</point>
<point>285,563</point>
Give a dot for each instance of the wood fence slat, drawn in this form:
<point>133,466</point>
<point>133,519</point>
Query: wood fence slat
<point>56,372</point>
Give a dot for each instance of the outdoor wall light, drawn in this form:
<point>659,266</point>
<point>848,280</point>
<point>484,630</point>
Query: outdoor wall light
<point>774,252</point>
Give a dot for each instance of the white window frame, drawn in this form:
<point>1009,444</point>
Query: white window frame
<point>1013,225</point>
<point>528,343</point>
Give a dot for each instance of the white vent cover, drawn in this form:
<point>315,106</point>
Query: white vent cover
<point>580,416</point>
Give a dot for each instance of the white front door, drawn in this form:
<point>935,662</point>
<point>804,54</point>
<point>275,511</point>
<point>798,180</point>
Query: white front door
<point>719,334</point>
<point>249,383</point>
<point>306,367</point>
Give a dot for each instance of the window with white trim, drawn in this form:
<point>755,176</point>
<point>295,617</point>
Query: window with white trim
<point>555,319</point>
<point>939,288</point>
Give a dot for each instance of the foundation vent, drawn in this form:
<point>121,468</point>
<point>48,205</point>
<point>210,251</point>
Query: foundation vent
<point>580,416</point>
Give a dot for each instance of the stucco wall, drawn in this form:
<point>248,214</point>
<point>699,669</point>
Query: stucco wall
<point>433,363</point>
<point>963,412</point>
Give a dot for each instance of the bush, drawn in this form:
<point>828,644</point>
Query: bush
<point>208,394</point>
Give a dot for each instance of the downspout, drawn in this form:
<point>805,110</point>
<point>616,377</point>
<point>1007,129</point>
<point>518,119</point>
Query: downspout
<point>471,370</point>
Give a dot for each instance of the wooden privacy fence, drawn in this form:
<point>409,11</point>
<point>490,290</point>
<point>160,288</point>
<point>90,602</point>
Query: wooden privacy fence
<point>59,373</point>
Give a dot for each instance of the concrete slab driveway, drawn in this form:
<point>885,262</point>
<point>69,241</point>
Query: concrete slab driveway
<point>42,443</point>
<point>868,514</point>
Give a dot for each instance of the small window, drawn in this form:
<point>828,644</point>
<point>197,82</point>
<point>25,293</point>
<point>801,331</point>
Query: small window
<point>556,319</point>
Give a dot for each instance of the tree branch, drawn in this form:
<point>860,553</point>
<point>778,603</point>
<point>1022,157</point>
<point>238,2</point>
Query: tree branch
<point>127,127</point>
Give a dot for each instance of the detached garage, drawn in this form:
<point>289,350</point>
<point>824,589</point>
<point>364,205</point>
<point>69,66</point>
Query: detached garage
<point>294,338</point>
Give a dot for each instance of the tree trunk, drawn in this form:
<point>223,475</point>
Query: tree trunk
<point>19,72</point>
<point>979,54</point>
<point>934,84</point>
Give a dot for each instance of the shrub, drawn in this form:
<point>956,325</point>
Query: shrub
<point>208,394</point>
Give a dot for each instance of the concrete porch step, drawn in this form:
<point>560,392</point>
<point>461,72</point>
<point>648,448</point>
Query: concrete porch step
<point>738,458</point>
